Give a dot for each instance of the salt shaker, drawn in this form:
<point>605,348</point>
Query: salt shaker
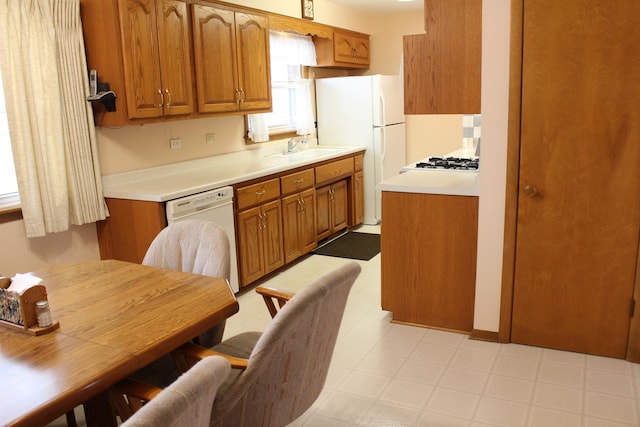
<point>43,314</point>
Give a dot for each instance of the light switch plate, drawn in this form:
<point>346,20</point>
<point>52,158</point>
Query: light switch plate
<point>175,143</point>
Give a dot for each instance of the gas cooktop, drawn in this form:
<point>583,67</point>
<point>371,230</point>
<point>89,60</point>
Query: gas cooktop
<point>471,164</point>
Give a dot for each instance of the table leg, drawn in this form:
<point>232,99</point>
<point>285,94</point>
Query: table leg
<point>99,413</point>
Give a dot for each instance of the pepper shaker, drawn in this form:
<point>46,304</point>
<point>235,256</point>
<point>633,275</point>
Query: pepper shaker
<point>43,314</point>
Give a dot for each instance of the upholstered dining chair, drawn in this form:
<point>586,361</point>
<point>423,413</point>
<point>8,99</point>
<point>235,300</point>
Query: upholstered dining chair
<point>278,374</point>
<point>184,403</point>
<point>193,246</point>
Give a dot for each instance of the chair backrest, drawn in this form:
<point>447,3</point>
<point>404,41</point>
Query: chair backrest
<point>288,365</point>
<point>187,401</point>
<point>193,246</point>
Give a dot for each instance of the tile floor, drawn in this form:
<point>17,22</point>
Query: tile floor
<point>386,374</point>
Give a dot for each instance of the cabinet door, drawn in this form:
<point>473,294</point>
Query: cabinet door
<point>291,207</point>
<point>272,236</point>
<point>214,41</point>
<point>307,221</point>
<point>351,48</point>
<point>250,245</point>
<point>140,57</point>
<point>358,198</point>
<point>323,209</point>
<point>175,57</point>
<point>339,206</point>
<point>254,76</point>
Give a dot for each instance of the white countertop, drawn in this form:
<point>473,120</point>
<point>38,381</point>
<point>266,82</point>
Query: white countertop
<point>434,182</point>
<point>169,182</point>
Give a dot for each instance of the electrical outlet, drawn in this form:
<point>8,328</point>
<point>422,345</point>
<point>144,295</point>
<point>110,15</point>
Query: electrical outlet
<point>175,143</point>
<point>211,138</point>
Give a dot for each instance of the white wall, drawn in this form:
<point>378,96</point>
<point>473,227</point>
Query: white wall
<point>495,97</point>
<point>20,255</point>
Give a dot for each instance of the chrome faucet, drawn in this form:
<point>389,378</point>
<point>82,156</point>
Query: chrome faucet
<point>292,144</point>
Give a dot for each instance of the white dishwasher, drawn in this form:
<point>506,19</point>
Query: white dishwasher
<point>215,206</point>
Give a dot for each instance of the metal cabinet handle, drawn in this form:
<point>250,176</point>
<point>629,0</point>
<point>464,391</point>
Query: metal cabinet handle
<point>168,97</point>
<point>260,193</point>
<point>161,98</point>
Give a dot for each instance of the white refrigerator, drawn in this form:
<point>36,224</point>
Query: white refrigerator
<point>366,111</point>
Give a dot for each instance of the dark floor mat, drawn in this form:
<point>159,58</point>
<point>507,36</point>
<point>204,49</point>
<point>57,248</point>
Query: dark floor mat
<point>361,246</point>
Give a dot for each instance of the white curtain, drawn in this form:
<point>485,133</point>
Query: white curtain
<point>258,129</point>
<point>289,49</point>
<point>51,126</point>
<point>305,124</point>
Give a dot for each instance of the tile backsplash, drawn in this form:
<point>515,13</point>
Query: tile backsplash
<point>472,126</point>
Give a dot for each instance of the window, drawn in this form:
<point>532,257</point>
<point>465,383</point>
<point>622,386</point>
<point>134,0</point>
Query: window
<point>292,110</point>
<point>8,182</point>
<point>283,93</point>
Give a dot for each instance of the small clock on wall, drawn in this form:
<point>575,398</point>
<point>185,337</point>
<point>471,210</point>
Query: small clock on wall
<point>307,9</point>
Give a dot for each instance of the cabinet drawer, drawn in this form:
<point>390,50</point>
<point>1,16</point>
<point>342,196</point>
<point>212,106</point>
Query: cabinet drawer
<point>358,162</point>
<point>297,181</point>
<point>333,171</point>
<point>255,194</point>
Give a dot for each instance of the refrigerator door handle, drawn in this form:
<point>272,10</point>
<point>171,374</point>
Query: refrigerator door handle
<point>383,146</point>
<point>380,119</point>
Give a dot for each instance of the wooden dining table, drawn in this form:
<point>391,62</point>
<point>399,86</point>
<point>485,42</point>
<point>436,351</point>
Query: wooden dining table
<point>115,317</point>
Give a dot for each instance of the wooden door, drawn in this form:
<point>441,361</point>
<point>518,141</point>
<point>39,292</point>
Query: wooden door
<point>214,41</point>
<point>175,57</point>
<point>141,60</point>
<point>578,204</point>
<point>254,75</point>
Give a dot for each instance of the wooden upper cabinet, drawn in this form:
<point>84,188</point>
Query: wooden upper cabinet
<point>156,58</point>
<point>351,47</point>
<point>252,35</point>
<point>231,59</point>
<point>442,67</point>
<point>214,41</point>
<point>347,49</point>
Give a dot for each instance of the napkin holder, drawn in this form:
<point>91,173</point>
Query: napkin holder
<point>18,310</point>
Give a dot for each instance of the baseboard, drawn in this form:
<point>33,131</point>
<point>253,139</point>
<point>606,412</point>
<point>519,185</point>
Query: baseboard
<point>481,335</point>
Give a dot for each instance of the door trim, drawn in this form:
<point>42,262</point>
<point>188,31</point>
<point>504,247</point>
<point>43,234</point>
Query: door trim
<point>511,198</point>
<point>513,167</point>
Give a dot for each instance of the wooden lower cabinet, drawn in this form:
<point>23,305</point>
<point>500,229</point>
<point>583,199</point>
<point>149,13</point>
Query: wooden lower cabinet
<point>130,228</point>
<point>299,224</point>
<point>333,208</point>
<point>428,259</point>
<point>260,248</point>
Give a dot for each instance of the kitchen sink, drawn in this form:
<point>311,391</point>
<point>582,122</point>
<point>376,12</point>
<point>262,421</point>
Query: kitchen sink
<point>308,153</point>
